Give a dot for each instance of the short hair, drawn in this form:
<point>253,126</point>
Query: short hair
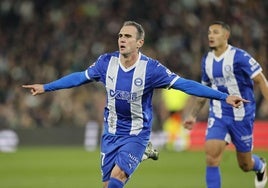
<point>223,24</point>
<point>141,33</point>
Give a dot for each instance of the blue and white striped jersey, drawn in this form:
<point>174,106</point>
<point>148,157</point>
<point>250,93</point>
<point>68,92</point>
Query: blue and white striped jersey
<point>129,92</point>
<point>231,73</point>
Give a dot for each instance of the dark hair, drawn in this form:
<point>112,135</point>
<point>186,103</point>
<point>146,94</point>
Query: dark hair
<point>223,24</point>
<point>141,33</point>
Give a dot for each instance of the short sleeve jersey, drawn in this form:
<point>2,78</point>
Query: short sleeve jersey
<point>231,73</point>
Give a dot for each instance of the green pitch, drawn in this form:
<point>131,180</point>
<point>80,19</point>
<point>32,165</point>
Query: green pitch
<point>73,167</point>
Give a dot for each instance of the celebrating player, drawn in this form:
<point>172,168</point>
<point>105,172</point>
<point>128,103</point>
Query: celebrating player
<point>231,70</point>
<point>130,78</point>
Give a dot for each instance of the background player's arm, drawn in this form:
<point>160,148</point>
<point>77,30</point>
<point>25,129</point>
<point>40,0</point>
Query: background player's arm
<point>197,89</point>
<point>197,105</point>
<point>262,82</point>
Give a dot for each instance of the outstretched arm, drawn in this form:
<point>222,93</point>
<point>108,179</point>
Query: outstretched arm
<point>69,81</point>
<point>194,88</point>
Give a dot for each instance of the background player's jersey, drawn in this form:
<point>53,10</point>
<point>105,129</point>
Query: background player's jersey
<point>129,92</point>
<point>231,73</point>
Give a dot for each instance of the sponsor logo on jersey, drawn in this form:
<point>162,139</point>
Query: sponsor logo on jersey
<point>124,95</point>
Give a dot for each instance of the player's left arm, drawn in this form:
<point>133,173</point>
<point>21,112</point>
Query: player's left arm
<point>194,88</point>
<point>262,82</point>
<point>251,67</point>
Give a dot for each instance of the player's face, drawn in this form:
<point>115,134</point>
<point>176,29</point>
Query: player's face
<point>127,40</point>
<point>217,36</point>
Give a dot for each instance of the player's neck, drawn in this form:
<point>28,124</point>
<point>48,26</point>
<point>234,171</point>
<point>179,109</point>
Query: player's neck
<point>129,60</point>
<point>220,50</point>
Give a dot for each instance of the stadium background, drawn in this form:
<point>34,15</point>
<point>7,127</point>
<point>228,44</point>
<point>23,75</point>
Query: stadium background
<point>42,40</point>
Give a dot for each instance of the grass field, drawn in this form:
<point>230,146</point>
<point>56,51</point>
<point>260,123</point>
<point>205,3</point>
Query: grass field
<point>73,167</point>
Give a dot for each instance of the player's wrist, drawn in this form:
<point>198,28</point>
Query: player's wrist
<point>224,97</point>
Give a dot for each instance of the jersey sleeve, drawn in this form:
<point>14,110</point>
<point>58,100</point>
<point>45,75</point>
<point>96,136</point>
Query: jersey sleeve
<point>162,77</point>
<point>72,80</point>
<point>192,87</point>
<point>248,64</point>
<point>96,70</point>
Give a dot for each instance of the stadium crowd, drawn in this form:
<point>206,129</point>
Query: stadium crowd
<point>42,40</point>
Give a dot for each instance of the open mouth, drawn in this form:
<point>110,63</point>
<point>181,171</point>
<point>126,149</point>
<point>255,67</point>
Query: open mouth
<point>122,47</point>
<point>211,42</point>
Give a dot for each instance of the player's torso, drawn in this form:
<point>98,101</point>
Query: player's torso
<point>225,74</point>
<point>125,87</point>
<point>128,97</point>
<point>129,92</point>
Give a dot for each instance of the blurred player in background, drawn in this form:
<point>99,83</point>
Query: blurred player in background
<point>130,78</point>
<point>230,70</point>
<point>174,102</point>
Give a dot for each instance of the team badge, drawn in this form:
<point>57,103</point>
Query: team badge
<point>138,82</point>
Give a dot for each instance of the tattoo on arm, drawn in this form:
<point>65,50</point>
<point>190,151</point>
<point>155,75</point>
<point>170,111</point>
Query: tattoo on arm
<point>199,103</point>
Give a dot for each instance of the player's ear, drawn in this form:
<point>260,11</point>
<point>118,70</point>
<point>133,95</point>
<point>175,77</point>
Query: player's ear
<point>140,43</point>
<point>227,35</point>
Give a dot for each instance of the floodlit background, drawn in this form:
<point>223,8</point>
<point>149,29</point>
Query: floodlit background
<point>42,40</point>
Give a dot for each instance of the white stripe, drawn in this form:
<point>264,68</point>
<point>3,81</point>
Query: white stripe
<point>86,73</point>
<point>216,107</point>
<point>173,81</point>
<point>111,77</point>
<point>136,105</point>
<point>256,73</point>
<point>231,82</point>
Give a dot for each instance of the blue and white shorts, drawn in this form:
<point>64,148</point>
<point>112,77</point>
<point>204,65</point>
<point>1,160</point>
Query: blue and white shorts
<point>240,133</point>
<point>125,151</point>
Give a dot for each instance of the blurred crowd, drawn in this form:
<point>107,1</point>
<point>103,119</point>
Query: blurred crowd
<point>42,40</point>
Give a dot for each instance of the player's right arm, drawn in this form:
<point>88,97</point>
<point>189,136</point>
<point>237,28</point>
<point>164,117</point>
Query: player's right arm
<point>190,120</point>
<point>69,81</point>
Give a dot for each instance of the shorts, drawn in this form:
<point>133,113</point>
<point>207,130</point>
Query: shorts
<point>125,151</point>
<point>240,133</point>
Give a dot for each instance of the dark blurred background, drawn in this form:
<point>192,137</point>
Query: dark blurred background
<point>42,40</point>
